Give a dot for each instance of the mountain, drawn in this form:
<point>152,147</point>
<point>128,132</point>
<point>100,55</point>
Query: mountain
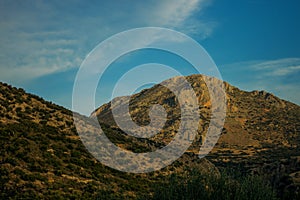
<point>42,155</point>
<point>260,134</point>
<point>254,120</point>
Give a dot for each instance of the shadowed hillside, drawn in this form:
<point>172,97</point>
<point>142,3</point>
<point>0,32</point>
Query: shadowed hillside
<point>43,157</point>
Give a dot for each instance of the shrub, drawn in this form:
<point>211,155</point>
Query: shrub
<point>198,186</point>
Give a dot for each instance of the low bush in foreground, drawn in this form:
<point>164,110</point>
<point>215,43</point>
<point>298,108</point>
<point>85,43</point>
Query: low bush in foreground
<point>225,186</point>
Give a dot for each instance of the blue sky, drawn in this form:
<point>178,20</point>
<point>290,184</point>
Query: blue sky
<point>255,43</point>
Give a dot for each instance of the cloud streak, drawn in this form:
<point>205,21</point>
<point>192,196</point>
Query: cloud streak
<point>38,38</point>
<point>280,76</point>
<point>280,67</point>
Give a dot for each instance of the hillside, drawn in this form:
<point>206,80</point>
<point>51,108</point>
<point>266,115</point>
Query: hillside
<point>260,134</point>
<point>42,155</point>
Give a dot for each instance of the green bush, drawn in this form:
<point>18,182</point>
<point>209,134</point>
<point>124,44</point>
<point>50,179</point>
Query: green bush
<point>217,187</point>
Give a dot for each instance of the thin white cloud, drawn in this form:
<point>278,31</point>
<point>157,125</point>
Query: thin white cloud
<point>279,67</point>
<point>172,13</point>
<point>280,76</point>
<point>286,71</point>
<point>26,72</point>
<point>47,37</point>
<point>179,15</point>
<point>270,64</point>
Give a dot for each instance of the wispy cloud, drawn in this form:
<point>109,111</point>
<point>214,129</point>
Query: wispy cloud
<point>174,14</point>
<point>43,37</point>
<point>280,76</point>
<point>280,67</point>
<point>286,71</point>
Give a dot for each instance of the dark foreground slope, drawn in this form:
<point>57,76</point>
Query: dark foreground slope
<point>42,157</point>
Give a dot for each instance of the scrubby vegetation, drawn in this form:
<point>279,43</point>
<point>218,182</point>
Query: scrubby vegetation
<point>225,186</point>
<point>42,157</point>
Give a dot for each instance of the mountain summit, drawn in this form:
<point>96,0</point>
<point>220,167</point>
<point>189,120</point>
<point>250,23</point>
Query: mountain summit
<point>255,119</point>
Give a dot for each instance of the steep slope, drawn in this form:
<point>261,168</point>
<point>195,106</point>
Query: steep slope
<point>260,134</point>
<point>42,157</point>
<point>254,119</point>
